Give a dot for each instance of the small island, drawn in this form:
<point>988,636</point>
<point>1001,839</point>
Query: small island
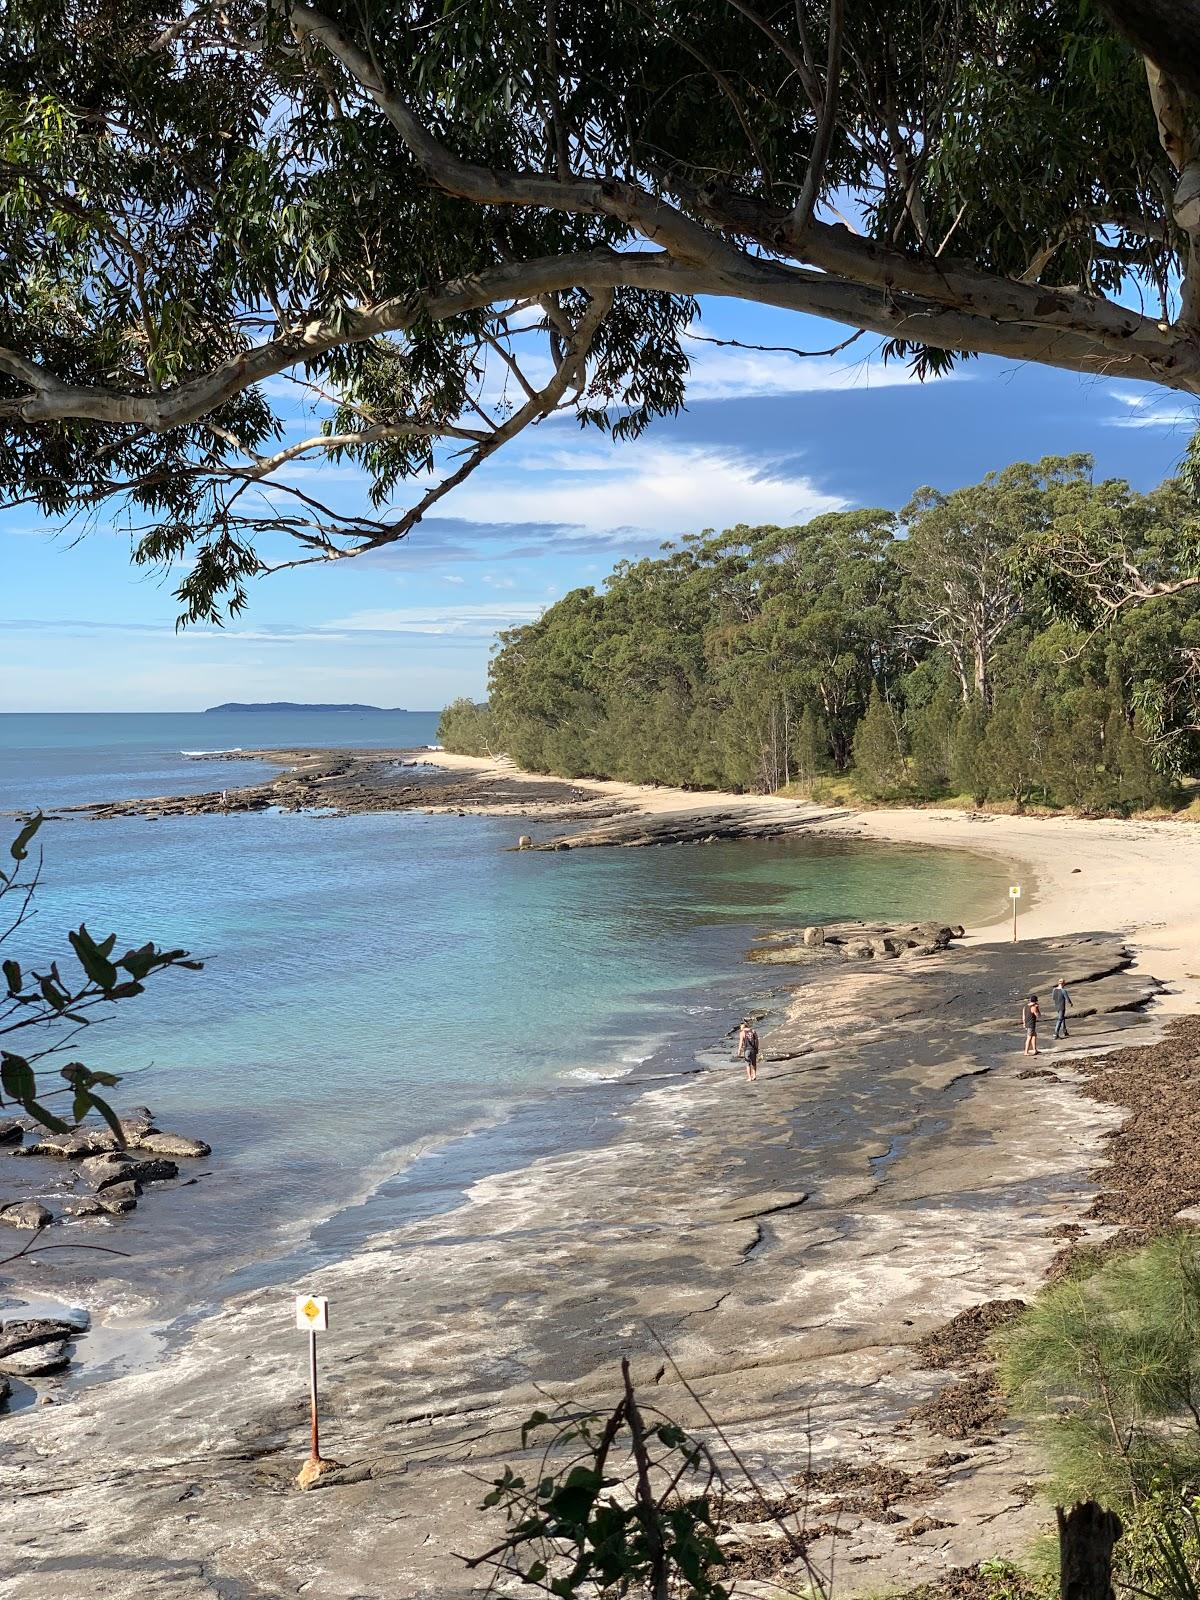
<point>293,705</point>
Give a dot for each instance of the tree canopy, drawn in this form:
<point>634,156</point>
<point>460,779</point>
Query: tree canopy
<point>440,224</point>
<point>866,643</point>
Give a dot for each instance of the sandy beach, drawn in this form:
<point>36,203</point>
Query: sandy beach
<point>792,1244</point>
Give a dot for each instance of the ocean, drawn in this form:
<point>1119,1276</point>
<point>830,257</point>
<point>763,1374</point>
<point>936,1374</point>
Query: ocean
<point>391,1004</point>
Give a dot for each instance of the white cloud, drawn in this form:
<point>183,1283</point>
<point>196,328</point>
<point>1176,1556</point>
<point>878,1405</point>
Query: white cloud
<point>657,488</point>
<point>1153,410</point>
<point>726,374</point>
<point>452,577</point>
<point>464,619</point>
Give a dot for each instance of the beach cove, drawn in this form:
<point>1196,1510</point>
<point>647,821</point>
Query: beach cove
<point>788,1249</point>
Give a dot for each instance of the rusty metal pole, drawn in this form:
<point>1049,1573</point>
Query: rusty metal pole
<point>315,1453</point>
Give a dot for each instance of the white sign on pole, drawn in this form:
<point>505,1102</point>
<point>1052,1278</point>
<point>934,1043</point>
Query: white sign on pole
<point>312,1313</point>
<point>1014,892</point>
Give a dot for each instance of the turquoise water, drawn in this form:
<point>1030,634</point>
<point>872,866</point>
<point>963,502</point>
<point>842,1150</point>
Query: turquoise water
<point>374,983</point>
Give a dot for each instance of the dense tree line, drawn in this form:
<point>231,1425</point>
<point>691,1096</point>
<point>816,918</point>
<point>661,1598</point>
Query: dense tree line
<point>923,653</point>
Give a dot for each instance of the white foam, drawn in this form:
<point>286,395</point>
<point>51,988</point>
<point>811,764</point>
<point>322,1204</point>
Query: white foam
<point>232,750</point>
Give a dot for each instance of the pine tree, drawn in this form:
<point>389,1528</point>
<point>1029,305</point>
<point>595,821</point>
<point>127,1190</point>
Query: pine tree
<point>810,748</point>
<point>933,734</point>
<point>967,765</point>
<point>879,763</point>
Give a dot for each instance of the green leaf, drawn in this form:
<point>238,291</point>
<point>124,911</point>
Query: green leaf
<point>17,1077</point>
<point>19,848</point>
<point>109,1115</point>
<point>46,1118</point>
<point>93,959</point>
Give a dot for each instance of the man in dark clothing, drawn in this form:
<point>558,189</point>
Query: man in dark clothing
<point>1030,1012</point>
<point>1062,999</point>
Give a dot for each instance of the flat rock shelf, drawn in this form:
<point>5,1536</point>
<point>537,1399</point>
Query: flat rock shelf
<point>793,1243</point>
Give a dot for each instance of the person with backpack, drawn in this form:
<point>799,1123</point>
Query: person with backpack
<point>1030,1012</point>
<point>747,1049</point>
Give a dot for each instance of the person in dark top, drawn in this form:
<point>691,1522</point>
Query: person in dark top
<point>1030,1012</point>
<point>1062,999</point>
<point>747,1049</point>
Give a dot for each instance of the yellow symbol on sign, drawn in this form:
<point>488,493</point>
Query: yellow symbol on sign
<point>311,1310</point>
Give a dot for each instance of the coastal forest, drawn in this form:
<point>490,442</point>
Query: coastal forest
<point>1028,640</point>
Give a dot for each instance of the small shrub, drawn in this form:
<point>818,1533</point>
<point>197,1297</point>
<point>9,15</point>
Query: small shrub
<point>1107,1368</point>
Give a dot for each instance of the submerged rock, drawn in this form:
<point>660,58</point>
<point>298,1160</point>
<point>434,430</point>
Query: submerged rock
<point>26,1214</point>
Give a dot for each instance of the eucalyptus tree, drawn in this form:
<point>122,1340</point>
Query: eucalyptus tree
<point>961,557</point>
<point>437,226</point>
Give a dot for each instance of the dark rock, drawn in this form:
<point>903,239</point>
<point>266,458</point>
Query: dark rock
<point>35,1360</point>
<point>11,1131</point>
<point>75,1146</point>
<point>173,1144</point>
<point>83,1209</point>
<point>104,1171</point>
<point>119,1198</point>
<point>36,1330</point>
<point>936,933</point>
<point>26,1214</point>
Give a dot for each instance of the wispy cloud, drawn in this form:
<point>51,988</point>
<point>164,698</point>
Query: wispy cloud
<point>719,373</point>
<point>656,488</point>
<point>1150,409</point>
<point>468,620</point>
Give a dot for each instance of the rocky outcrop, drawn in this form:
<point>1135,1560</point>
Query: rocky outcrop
<point>11,1131</point>
<point>35,1361</point>
<point>113,1171</point>
<point>103,1172</point>
<point>34,1330</point>
<point>857,941</point>
<point>36,1347</point>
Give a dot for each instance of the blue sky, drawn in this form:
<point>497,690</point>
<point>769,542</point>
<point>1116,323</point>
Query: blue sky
<point>765,438</point>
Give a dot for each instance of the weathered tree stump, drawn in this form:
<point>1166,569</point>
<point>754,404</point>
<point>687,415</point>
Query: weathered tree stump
<point>1086,1536</point>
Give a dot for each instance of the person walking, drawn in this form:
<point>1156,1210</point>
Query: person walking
<point>1061,996</point>
<point>747,1049</point>
<point>1030,1012</point>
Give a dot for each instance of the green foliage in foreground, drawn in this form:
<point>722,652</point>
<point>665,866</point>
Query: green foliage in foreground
<point>626,1503</point>
<point>1107,1369</point>
<point>44,1010</point>
<point>915,653</point>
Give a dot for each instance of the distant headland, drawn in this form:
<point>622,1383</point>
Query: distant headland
<point>292,705</point>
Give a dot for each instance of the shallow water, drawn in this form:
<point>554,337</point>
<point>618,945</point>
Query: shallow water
<point>376,985</point>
